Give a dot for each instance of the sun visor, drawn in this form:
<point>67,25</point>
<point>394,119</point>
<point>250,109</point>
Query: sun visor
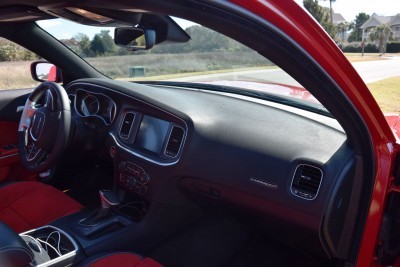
<point>167,30</point>
<point>21,13</point>
<point>97,17</point>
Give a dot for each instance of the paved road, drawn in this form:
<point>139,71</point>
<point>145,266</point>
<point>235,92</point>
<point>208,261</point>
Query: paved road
<point>370,71</point>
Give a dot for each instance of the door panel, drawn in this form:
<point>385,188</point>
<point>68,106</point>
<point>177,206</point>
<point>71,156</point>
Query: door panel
<point>11,168</point>
<point>9,101</point>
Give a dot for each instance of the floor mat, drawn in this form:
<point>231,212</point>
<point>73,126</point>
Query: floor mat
<point>210,242</point>
<point>221,241</point>
<point>263,251</point>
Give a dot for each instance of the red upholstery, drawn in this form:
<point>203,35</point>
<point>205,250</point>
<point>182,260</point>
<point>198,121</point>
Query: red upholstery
<point>28,205</point>
<point>8,132</point>
<point>123,259</point>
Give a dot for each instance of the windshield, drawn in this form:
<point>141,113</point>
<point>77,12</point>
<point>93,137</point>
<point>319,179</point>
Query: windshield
<point>209,59</point>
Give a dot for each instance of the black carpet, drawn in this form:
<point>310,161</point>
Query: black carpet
<point>220,241</point>
<point>210,242</point>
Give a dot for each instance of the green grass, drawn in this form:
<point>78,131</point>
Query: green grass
<point>167,64</point>
<point>387,94</point>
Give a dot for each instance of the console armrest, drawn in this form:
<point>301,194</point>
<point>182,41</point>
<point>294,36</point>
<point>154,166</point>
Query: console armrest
<point>13,250</point>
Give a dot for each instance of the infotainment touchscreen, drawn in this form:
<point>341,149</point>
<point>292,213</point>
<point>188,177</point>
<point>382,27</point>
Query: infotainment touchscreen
<point>152,134</point>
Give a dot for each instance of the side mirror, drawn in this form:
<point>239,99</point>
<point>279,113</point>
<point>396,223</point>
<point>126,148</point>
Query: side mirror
<point>134,38</point>
<point>43,71</point>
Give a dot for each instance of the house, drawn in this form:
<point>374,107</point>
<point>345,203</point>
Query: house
<point>376,20</point>
<point>337,18</point>
<point>342,26</point>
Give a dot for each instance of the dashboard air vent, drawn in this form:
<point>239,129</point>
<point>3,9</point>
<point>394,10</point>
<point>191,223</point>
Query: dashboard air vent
<point>126,125</point>
<point>174,141</point>
<point>306,181</point>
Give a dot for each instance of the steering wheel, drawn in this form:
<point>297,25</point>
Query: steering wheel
<point>43,131</point>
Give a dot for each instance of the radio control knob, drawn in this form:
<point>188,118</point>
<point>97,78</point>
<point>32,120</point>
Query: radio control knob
<point>144,179</point>
<point>140,188</point>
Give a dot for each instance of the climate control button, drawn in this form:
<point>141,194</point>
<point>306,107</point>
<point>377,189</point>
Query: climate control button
<point>133,177</point>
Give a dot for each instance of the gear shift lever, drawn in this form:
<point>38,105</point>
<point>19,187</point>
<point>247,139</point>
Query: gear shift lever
<point>108,200</point>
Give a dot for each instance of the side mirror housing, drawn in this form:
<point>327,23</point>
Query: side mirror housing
<point>43,71</point>
<point>133,38</point>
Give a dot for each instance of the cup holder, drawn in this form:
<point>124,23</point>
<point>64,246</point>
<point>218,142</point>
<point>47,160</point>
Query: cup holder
<point>50,245</point>
<point>134,210</point>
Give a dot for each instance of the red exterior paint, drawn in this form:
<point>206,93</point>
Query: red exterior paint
<point>52,74</point>
<point>271,88</point>
<point>302,28</point>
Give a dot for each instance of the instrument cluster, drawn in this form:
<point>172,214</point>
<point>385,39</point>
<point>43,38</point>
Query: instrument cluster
<point>89,104</point>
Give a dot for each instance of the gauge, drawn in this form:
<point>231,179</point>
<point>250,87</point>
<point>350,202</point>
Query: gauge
<point>90,105</point>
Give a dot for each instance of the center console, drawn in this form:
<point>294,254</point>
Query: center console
<point>50,246</point>
<point>71,239</point>
<point>112,226</point>
<point>42,247</point>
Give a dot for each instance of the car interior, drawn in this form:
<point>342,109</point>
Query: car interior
<point>99,171</point>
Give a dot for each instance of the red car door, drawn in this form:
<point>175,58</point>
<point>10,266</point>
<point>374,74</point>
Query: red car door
<point>307,33</point>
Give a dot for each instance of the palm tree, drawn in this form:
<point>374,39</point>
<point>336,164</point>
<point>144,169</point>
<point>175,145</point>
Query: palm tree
<point>381,33</point>
<point>342,28</point>
<point>331,10</point>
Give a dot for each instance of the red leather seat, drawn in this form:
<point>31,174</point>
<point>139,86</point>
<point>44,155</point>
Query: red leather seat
<point>121,259</point>
<point>28,205</point>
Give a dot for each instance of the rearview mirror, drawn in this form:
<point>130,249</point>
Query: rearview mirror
<point>43,71</point>
<point>134,38</point>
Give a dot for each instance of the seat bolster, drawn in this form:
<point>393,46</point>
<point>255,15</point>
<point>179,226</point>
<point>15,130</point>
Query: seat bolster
<point>120,259</point>
<point>148,262</point>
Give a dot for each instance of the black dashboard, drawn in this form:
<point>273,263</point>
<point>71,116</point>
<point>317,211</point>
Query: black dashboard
<point>287,167</point>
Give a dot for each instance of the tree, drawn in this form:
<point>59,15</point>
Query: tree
<point>102,43</point>
<point>331,10</point>
<point>28,55</point>
<point>356,34</point>
<point>381,33</point>
<point>315,10</point>
<point>8,52</point>
<point>342,28</point>
<point>321,14</point>
<point>202,40</point>
<point>84,44</point>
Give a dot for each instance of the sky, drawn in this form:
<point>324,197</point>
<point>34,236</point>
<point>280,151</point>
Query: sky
<point>350,8</point>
